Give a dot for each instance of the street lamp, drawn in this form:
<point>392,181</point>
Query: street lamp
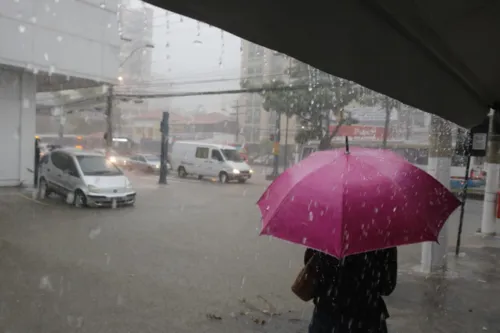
<point>109,102</point>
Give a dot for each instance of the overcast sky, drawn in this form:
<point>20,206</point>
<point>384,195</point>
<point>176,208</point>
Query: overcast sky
<point>184,55</point>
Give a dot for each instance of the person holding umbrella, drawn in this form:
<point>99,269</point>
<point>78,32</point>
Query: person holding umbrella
<point>351,209</point>
<point>348,294</point>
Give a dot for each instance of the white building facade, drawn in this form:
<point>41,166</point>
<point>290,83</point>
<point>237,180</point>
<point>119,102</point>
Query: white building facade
<point>47,46</point>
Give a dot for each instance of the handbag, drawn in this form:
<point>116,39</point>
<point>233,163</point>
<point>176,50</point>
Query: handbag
<point>305,283</point>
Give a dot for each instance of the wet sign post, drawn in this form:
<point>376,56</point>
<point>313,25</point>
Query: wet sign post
<point>469,143</point>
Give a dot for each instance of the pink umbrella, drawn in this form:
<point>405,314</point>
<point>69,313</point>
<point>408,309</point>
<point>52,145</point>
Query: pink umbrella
<point>346,203</point>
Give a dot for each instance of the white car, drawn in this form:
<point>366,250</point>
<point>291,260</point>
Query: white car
<point>86,176</point>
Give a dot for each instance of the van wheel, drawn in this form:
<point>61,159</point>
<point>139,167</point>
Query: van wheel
<point>182,172</point>
<point>223,177</point>
<point>80,199</point>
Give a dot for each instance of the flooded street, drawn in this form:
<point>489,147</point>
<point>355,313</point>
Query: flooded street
<point>179,262</point>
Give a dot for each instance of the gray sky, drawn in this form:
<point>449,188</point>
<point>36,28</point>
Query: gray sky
<point>193,58</point>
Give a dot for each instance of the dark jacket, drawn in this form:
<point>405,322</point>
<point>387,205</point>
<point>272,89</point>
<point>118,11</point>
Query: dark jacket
<point>348,293</point>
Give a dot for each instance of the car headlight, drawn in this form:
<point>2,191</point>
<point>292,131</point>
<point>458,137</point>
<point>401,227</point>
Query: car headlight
<point>236,171</point>
<point>157,166</point>
<point>94,189</point>
<point>251,171</point>
<point>112,159</point>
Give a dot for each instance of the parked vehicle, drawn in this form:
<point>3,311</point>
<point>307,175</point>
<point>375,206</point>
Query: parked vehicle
<point>113,157</point>
<point>146,163</point>
<point>86,176</point>
<point>210,160</point>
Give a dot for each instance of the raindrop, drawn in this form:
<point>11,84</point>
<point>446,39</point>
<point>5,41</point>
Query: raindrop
<point>376,210</point>
<point>243,282</point>
<point>94,232</point>
<point>70,198</point>
<point>45,283</point>
<point>311,216</point>
<point>304,240</point>
<point>103,4</point>
<point>46,56</point>
<point>22,28</point>
<point>59,38</point>
<point>33,19</point>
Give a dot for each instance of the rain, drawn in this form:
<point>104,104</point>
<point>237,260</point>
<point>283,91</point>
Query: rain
<point>163,174</point>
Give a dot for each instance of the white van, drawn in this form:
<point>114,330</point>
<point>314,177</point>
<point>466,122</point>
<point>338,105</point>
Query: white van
<point>209,160</point>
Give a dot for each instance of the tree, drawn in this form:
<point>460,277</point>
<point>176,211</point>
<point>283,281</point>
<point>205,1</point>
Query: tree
<point>313,97</point>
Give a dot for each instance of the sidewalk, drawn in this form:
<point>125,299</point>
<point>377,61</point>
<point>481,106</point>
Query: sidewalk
<point>464,299</point>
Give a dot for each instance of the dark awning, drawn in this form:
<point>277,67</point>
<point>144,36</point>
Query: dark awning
<point>441,56</point>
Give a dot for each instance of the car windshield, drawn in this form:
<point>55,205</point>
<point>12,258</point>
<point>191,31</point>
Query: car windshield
<point>152,158</point>
<point>231,155</point>
<point>97,166</point>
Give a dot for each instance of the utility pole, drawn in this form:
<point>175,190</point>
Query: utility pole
<point>276,148</point>
<point>387,121</point>
<point>108,136</point>
<point>237,108</point>
<point>488,220</point>
<point>286,143</point>
<point>164,148</point>
<point>440,152</point>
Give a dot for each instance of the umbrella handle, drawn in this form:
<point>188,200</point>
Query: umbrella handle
<point>347,144</point>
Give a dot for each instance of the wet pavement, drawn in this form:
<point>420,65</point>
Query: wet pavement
<point>187,258</point>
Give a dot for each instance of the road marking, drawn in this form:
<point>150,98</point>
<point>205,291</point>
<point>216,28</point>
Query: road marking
<point>34,200</point>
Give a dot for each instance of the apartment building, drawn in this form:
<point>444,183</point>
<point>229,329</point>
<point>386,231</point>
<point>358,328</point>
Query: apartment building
<point>260,65</point>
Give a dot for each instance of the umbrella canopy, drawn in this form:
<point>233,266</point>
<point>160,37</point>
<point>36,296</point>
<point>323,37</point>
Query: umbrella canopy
<point>440,56</point>
<point>344,204</point>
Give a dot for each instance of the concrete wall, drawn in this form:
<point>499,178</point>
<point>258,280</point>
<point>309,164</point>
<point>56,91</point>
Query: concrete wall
<point>70,37</point>
<point>17,127</point>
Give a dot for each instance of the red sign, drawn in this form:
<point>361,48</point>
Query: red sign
<point>360,131</point>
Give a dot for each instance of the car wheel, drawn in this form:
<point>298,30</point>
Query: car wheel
<point>182,172</point>
<point>223,178</point>
<point>80,200</point>
<point>43,189</point>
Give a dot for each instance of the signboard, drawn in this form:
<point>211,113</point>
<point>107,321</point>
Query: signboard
<point>479,138</point>
<point>360,132</point>
<point>473,142</point>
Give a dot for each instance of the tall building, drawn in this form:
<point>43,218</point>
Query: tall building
<point>260,65</point>
<point>136,32</point>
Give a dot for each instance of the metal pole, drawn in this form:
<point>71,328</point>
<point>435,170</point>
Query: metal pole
<point>462,207</point>
<point>488,220</point>
<point>37,162</point>
<point>439,165</point>
<point>237,121</point>
<point>386,123</point>
<point>109,119</point>
<point>277,135</point>
<point>286,142</point>
<point>164,149</point>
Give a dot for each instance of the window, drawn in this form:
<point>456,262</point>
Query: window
<point>60,160</point>
<point>201,152</point>
<point>73,171</point>
<point>232,155</point>
<point>97,166</point>
<point>216,155</point>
